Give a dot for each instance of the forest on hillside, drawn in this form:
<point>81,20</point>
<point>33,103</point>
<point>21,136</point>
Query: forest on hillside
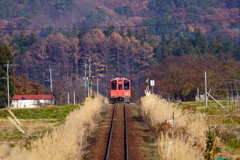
<point>176,63</point>
<point>45,17</point>
<point>172,42</point>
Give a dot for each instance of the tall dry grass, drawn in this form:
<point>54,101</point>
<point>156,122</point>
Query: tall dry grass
<point>64,142</point>
<point>186,139</point>
<point>173,148</point>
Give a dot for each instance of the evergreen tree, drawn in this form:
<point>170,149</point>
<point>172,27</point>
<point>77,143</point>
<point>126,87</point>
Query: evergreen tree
<point>81,33</point>
<point>47,31</point>
<point>163,7</point>
<point>125,10</point>
<point>23,42</point>
<point>121,32</point>
<point>64,4</point>
<point>163,39</point>
<point>129,33</point>
<point>207,3</point>
<point>10,28</point>
<point>6,9</point>
<point>152,25</point>
<point>200,42</point>
<point>5,58</point>
<point>193,13</point>
<point>109,30</point>
<point>74,31</point>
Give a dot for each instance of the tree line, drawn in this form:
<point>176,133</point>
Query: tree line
<point>181,77</point>
<point>123,53</point>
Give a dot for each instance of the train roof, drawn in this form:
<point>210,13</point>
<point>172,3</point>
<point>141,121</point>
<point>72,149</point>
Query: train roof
<point>120,78</point>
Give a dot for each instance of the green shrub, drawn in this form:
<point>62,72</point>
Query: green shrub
<point>210,148</point>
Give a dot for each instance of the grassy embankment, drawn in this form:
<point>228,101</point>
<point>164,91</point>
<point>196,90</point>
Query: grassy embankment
<point>64,141</point>
<point>224,123</point>
<point>188,139</point>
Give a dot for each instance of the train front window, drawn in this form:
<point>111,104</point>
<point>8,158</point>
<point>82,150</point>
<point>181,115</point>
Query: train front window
<point>126,85</point>
<point>114,85</point>
<point>119,87</point>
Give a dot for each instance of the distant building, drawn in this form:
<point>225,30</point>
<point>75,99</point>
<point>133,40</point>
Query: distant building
<point>32,101</point>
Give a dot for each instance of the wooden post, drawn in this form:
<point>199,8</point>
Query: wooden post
<point>15,124</point>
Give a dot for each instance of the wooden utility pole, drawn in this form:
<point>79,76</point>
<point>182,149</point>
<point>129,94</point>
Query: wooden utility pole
<point>14,121</point>
<point>90,79</point>
<point>97,86</point>
<point>85,78</point>
<point>206,95</point>
<point>74,97</point>
<point>50,79</point>
<point>8,84</point>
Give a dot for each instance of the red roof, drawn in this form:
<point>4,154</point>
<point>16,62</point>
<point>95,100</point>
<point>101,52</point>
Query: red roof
<point>40,96</point>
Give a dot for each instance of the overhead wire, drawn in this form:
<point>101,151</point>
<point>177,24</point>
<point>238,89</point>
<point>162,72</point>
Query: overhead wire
<point>163,24</point>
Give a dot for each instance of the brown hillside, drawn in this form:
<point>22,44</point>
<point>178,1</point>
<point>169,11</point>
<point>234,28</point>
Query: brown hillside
<point>48,15</point>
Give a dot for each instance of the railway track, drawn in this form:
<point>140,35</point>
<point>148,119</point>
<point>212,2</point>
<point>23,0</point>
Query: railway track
<point>127,138</point>
<point>117,147</point>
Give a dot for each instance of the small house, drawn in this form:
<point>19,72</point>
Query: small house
<point>32,101</point>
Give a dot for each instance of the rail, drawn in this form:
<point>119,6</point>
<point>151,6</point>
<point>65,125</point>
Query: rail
<point>111,134</point>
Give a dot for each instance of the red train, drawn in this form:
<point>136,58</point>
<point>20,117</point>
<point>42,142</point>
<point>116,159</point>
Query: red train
<point>120,90</point>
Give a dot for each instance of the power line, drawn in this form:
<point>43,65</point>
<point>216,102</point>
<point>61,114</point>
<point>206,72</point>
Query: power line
<point>163,24</point>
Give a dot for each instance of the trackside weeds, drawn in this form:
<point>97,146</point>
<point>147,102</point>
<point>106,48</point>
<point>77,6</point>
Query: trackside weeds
<point>185,140</point>
<point>65,141</point>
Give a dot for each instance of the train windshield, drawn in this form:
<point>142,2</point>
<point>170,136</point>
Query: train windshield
<point>119,87</point>
<point>114,85</point>
<point>126,85</point>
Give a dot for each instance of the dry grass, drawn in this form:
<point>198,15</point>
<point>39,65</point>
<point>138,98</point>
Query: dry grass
<point>189,133</point>
<point>177,148</point>
<point>64,142</point>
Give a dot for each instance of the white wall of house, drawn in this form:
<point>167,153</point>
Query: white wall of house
<point>31,103</point>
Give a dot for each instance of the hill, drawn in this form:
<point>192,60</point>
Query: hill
<point>123,39</point>
<point>33,15</point>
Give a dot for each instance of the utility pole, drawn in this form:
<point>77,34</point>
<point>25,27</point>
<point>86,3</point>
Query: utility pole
<point>74,97</point>
<point>146,86</point>
<point>50,78</point>
<point>97,86</point>
<point>90,79</point>
<point>7,78</point>
<point>206,94</point>
<point>16,122</point>
<point>85,78</point>
<point>68,98</point>
<point>8,83</point>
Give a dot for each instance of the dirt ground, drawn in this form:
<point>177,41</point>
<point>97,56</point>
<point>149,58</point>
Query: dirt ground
<point>139,140</point>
